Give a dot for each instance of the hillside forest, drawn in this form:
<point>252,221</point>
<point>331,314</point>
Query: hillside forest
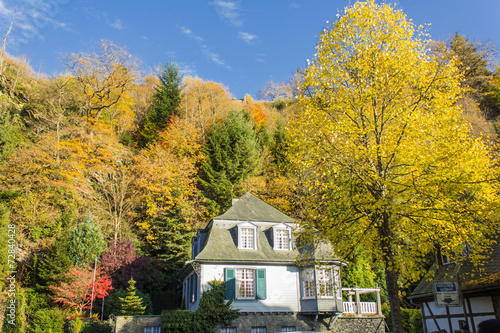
<point>106,167</point>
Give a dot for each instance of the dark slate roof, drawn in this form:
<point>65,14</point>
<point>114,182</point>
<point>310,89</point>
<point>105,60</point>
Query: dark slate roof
<point>472,278</point>
<point>221,243</point>
<point>251,208</point>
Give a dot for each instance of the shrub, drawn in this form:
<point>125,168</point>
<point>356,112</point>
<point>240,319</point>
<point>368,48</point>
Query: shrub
<point>47,320</point>
<point>212,311</point>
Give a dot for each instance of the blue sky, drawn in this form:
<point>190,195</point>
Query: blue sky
<point>239,43</point>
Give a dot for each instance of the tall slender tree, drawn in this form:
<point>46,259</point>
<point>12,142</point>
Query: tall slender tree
<point>132,304</point>
<point>164,105</point>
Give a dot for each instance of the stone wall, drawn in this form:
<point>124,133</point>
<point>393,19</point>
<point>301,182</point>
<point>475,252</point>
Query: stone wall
<point>135,324</point>
<point>274,323</point>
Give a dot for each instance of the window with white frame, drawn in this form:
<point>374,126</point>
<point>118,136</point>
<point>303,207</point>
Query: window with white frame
<point>324,282</point>
<point>308,284</point>
<point>246,238</point>
<point>320,282</point>
<point>259,330</point>
<point>228,330</point>
<point>245,283</point>
<point>282,239</point>
<point>152,329</point>
<point>288,329</point>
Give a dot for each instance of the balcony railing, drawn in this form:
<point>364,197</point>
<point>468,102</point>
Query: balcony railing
<point>359,308</point>
<point>366,308</point>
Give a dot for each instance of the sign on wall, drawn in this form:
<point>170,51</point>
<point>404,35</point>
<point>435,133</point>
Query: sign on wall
<point>447,293</point>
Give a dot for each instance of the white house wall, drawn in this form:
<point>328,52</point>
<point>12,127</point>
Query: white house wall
<point>282,285</point>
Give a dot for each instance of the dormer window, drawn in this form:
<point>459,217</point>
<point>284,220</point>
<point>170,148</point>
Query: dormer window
<point>282,235</point>
<point>247,236</point>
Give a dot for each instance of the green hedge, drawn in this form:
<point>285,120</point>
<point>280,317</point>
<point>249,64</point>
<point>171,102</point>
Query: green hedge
<point>212,311</point>
<point>412,319</point>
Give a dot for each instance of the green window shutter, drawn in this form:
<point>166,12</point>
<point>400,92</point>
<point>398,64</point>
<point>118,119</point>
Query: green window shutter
<point>261,283</point>
<point>229,277</point>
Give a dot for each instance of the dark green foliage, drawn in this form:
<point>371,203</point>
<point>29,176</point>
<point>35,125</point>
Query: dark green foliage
<point>232,153</point>
<point>412,319</point>
<point>54,264</point>
<point>132,304</point>
<point>173,241</point>
<point>86,242</point>
<point>164,106</point>
<point>279,146</point>
<point>167,96</point>
<point>47,320</point>
<point>164,288</point>
<point>88,326</point>
<point>212,311</point>
<point>113,305</point>
<point>181,322</point>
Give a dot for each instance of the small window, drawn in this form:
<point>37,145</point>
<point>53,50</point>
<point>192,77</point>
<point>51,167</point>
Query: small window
<point>228,330</point>
<point>259,330</point>
<point>247,236</point>
<point>282,239</point>
<point>152,329</point>
<point>288,329</point>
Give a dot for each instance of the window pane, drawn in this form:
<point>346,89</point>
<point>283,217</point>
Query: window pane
<point>288,329</point>
<point>282,239</point>
<point>152,329</point>
<point>228,330</point>
<point>308,286</point>
<point>246,238</point>
<point>245,283</point>
<point>325,283</point>
<point>259,330</point>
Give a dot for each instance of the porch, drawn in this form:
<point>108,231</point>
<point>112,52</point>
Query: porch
<point>358,308</point>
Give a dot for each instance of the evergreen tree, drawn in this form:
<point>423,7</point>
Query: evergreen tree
<point>232,153</point>
<point>165,104</point>
<point>86,242</point>
<point>55,264</point>
<point>173,239</point>
<point>132,305</point>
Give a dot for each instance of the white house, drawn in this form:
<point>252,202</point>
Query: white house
<point>268,270</point>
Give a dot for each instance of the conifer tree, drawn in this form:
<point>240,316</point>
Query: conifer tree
<point>165,104</point>
<point>232,153</point>
<point>132,304</point>
<point>86,242</point>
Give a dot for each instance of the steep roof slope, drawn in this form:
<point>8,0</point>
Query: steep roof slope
<point>251,208</point>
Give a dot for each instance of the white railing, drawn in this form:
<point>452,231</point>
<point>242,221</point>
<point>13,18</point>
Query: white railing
<point>366,307</point>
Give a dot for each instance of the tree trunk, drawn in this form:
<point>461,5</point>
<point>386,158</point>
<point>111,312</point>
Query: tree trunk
<point>391,271</point>
<point>391,280</point>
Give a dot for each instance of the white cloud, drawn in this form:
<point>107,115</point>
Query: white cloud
<point>213,56</point>
<point>188,32</point>
<point>117,24</point>
<point>246,36</point>
<point>228,10</point>
<point>29,17</point>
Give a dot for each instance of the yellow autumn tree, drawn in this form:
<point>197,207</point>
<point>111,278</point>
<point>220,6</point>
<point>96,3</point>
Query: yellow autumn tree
<point>203,101</point>
<point>384,156</point>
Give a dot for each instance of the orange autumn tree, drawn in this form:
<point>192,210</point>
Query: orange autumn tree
<point>81,288</point>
